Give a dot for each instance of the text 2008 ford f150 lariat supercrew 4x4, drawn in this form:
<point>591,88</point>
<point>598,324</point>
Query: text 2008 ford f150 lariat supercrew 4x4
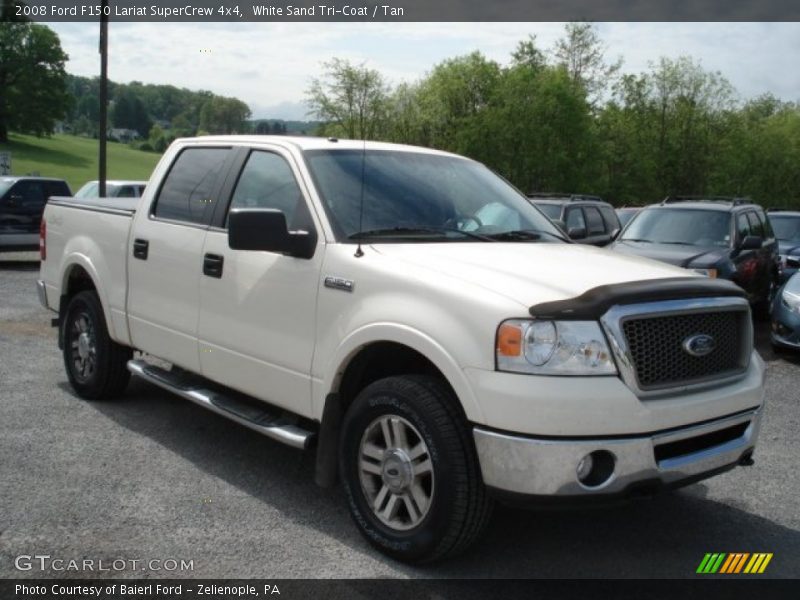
<point>411,316</point>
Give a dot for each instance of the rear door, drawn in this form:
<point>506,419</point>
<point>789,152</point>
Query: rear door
<point>166,249</point>
<point>258,309</point>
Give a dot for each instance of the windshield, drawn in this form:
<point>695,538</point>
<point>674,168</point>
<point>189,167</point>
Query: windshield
<point>5,184</point>
<point>681,226</point>
<point>551,210</point>
<point>786,228</point>
<point>626,214</point>
<point>408,196</point>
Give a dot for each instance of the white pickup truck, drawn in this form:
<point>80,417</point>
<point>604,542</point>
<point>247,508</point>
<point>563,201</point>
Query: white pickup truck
<point>413,319</point>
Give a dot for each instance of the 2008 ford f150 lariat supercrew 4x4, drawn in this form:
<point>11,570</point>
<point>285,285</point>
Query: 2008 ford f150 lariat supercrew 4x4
<point>414,319</point>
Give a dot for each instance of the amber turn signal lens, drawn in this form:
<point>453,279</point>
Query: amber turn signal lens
<point>509,340</point>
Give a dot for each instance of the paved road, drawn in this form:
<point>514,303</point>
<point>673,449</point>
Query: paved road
<point>152,477</point>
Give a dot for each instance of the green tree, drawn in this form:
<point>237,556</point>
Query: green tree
<point>352,99</point>
<point>33,94</point>
<point>582,53</point>
<point>224,115</point>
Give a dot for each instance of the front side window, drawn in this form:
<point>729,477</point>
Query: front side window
<point>186,194</point>
<point>681,226</point>
<point>756,227</point>
<point>742,226</point>
<point>594,221</point>
<point>409,196</point>
<point>267,181</point>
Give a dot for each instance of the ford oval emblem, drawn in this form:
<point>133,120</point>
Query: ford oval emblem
<point>699,345</point>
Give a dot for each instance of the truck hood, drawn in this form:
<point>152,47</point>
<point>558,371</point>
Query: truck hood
<point>789,246</point>
<point>681,256</point>
<point>528,273</point>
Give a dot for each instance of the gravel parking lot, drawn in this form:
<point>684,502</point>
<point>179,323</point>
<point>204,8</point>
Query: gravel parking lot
<point>154,478</point>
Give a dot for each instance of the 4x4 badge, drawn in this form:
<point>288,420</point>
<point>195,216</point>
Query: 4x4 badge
<point>699,345</point>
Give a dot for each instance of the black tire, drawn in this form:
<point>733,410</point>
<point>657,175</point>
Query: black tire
<point>458,508</point>
<point>95,364</point>
<point>762,308</point>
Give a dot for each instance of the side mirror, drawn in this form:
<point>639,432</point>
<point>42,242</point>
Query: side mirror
<point>15,199</point>
<point>560,224</point>
<point>577,233</point>
<point>751,242</point>
<point>265,229</point>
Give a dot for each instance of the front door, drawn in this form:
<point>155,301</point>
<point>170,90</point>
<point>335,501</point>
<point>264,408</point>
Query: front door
<point>258,309</point>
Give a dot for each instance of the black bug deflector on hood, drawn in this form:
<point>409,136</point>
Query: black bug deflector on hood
<point>593,303</point>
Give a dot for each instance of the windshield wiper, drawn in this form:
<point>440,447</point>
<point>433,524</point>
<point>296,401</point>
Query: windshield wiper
<point>636,240</point>
<point>411,231</point>
<point>523,235</point>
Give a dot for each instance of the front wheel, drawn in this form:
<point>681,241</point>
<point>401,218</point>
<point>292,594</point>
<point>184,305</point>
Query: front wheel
<point>95,364</point>
<point>410,470</point>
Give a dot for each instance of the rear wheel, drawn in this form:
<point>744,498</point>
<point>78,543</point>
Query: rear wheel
<point>410,470</point>
<point>95,364</point>
<point>762,308</point>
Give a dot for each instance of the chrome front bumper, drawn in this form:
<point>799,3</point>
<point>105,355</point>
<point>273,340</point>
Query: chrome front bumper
<point>548,467</point>
<point>41,291</point>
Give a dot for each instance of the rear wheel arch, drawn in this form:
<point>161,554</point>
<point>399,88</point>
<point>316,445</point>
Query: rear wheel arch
<point>78,278</point>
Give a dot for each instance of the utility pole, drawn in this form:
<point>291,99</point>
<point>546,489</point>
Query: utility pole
<point>102,133</point>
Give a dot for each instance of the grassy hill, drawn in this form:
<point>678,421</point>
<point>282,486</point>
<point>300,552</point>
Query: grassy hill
<point>75,158</point>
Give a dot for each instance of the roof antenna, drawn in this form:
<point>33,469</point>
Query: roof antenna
<point>359,252</point>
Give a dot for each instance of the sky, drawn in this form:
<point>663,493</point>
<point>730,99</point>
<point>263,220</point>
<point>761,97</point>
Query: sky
<point>270,65</point>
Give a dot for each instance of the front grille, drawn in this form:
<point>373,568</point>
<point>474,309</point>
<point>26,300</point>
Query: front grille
<point>660,360</point>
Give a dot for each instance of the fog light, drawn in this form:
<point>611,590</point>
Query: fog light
<point>596,469</point>
<point>585,467</point>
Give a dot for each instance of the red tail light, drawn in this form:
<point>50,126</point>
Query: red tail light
<point>43,240</point>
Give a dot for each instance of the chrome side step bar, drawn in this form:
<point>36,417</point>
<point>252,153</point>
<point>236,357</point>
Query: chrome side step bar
<point>255,417</point>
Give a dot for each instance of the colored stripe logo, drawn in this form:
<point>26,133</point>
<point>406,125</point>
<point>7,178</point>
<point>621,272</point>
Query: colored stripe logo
<point>734,563</point>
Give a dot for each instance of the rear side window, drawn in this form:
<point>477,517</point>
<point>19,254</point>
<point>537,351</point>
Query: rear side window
<point>56,188</point>
<point>186,194</point>
<point>32,193</point>
<point>594,221</point>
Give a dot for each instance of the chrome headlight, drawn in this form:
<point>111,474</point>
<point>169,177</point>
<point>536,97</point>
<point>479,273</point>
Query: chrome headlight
<point>553,348</point>
<point>791,301</point>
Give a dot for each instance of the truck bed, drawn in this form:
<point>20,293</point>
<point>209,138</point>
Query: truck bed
<point>92,234</point>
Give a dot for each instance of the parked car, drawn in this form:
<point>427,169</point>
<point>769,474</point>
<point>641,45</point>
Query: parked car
<point>786,223</point>
<point>626,213</point>
<point>404,314</point>
<point>786,315</point>
<point>22,201</point>
<point>586,219</point>
<point>719,237</point>
<point>114,189</point>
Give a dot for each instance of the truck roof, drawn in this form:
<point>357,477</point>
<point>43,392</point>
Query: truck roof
<point>313,143</point>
